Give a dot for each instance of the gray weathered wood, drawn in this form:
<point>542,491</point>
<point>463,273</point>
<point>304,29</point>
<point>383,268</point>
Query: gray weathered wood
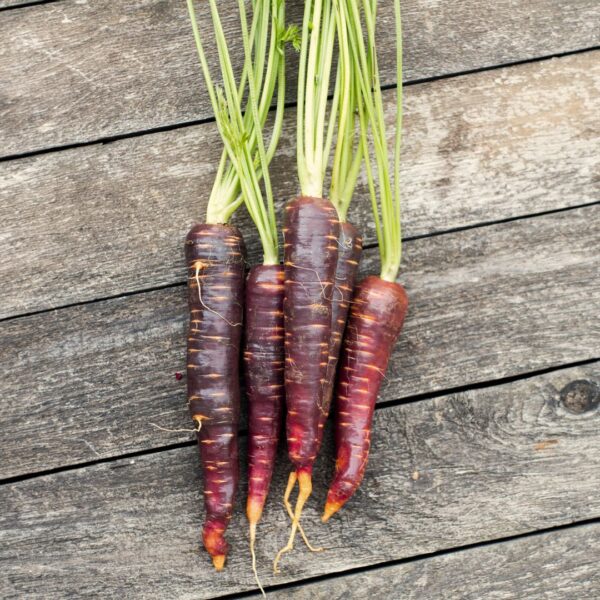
<point>86,382</point>
<point>13,3</point>
<point>75,71</point>
<point>23,3</point>
<point>561,565</point>
<point>98,221</point>
<point>460,469</point>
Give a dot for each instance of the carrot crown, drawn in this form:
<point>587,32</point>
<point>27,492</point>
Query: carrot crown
<point>385,194</point>
<point>246,159</point>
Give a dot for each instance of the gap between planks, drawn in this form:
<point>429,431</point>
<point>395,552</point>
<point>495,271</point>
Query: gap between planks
<point>480,385</point>
<point>140,69</point>
<point>6,5</point>
<point>367,246</point>
<point>541,537</point>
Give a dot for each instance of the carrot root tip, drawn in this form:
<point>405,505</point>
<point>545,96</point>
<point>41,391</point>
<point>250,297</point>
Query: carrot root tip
<point>331,508</point>
<point>215,543</point>
<point>219,562</point>
<point>253,555</point>
<point>305,484</point>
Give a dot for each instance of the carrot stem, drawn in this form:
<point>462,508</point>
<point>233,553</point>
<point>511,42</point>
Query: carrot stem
<point>314,78</point>
<point>385,198</point>
<point>348,154</point>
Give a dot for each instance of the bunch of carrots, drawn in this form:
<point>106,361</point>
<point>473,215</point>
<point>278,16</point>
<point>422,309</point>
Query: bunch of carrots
<point>309,335</point>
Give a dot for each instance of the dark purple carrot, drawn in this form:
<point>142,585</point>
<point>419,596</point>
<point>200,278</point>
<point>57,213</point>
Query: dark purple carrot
<point>376,318</point>
<point>380,303</point>
<point>310,234</point>
<point>215,257</point>
<point>315,300</point>
<point>264,361</point>
<point>349,252</point>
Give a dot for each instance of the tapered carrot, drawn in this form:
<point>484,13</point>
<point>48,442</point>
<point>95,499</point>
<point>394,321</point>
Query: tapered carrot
<point>264,363</point>
<point>349,252</point>
<point>376,317</point>
<point>380,303</point>
<point>214,355</point>
<point>215,257</point>
<point>264,367</point>
<point>320,253</point>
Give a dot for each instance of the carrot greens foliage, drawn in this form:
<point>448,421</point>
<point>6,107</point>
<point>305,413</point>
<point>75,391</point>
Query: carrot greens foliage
<point>385,193</point>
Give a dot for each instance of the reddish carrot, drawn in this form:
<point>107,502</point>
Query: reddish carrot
<point>215,258</point>
<point>376,318</point>
<point>380,304</point>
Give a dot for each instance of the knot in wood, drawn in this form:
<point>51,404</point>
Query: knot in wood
<point>580,396</point>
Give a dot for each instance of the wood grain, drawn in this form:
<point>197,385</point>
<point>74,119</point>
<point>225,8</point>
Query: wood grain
<point>76,71</point>
<point>106,219</point>
<point>559,565</point>
<point>86,382</point>
<point>13,3</point>
<point>443,473</point>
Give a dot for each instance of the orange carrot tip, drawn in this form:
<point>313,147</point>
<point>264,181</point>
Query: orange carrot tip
<point>254,509</point>
<point>215,544</point>
<point>331,507</point>
<point>219,562</point>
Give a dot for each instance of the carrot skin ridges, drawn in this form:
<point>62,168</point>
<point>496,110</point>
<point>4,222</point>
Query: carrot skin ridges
<point>215,256</point>
<point>349,253</point>
<point>376,317</point>
<point>311,231</point>
<point>264,364</point>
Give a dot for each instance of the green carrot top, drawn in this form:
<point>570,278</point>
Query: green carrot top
<point>385,195</point>
<point>246,159</point>
<point>347,157</point>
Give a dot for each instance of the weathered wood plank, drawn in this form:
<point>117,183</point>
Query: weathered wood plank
<point>13,3</point>
<point>443,473</point>
<point>86,382</point>
<point>559,565</point>
<point>76,71</point>
<point>488,146</point>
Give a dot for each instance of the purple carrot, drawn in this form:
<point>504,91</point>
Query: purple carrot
<point>264,361</point>
<point>349,253</point>
<point>376,318</point>
<point>215,257</point>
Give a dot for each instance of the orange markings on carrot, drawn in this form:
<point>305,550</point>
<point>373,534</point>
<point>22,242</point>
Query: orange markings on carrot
<point>372,331</point>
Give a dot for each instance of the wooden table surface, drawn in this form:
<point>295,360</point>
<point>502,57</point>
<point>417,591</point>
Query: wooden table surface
<point>484,476</point>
